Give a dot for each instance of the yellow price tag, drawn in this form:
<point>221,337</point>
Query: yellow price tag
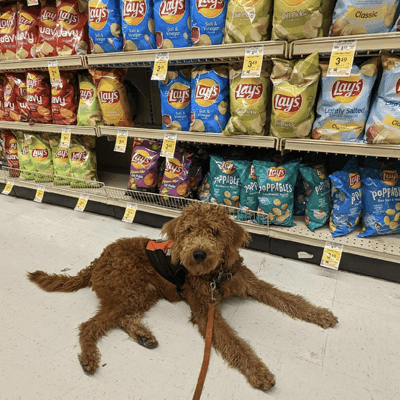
<point>54,72</point>
<point>342,58</point>
<point>169,144</point>
<point>130,213</point>
<point>252,63</point>
<point>82,202</point>
<point>332,255</point>
<point>65,138</point>
<point>160,67</point>
<point>121,141</point>
<point>39,194</point>
<point>7,189</point>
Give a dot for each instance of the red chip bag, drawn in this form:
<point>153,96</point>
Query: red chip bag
<point>11,111</point>
<point>18,85</point>
<point>8,33</point>
<point>10,145</point>
<point>47,40</point>
<point>27,32</point>
<point>63,100</point>
<point>39,96</point>
<point>1,98</point>
<point>72,29</point>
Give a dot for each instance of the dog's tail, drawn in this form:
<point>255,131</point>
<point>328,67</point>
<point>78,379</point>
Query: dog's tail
<point>61,283</point>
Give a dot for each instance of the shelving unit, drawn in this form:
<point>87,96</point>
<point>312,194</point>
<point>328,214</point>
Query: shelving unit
<point>48,128</point>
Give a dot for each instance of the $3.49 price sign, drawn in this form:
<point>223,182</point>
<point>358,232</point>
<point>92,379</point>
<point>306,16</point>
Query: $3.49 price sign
<point>121,141</point>
<point>65,138</point>
<point>342,58</point>
<point>130,213</point>
<point>332,255</point>
<point>160,67</point>
<point>169,144</point>
<point>7,189</point>
<point>252,63</point>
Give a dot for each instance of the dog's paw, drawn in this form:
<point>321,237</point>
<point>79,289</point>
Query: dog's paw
<point>325,318</point>
<point>149,343</point>
<point>88,365</point>
<point>262,379</point>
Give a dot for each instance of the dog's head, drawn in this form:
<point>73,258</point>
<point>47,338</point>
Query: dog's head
<point>204,237</point>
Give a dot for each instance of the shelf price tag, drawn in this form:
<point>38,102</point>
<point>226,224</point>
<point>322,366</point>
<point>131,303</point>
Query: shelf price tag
<point>332,255</point>
<point>169,144</point>
<point>252,63</point>
<point>342,58</point>
<point>39,194</point>
<point>121,142</point>
<point>160,68</point>
<point>9,186</point>
<point>54,72</point>
<point>130,213</point>
<point>82,202</point>
<point>65,138</point>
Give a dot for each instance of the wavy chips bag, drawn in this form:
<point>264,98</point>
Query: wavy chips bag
<point>176,177</point>
<point>2,79</point>
<point>24,157</point>
<point>11,149</point>
<point>41,156</point>
<point>39,96</point>
<point>11,109</point>
<point>295,86</point>
<point>27,32</point>
<point>89,111</point>
<point>47,39</point>
<point>64,99</point>
<point>343,105</point>
<point>8,32</point>
<point>18,84</point>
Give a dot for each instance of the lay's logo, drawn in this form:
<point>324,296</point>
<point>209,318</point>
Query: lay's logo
<point>79,157</point>
<point>173,168</point>
<point>98,15</point>
<point>61,156</point>
<point>210,8</point>
<point>48,15</point>
<point>276,174</point>
<point>179,95</point>
<point>207,92</point>
<point>86,95</point>
<point>320,171</point>
<point>354,181</point>
<point>25,20</point>
<point>398,87</point>
<point>133,11</point>
<point>109,97</point>
<point>287,106</point>
<point>67,17</point>
<point>140,159</point>
<point>248,91</point>
<point>347,90</point>
<point>171,11</point>
<point>40,153</point>
<point>390,177</point>
<point>227,167</point>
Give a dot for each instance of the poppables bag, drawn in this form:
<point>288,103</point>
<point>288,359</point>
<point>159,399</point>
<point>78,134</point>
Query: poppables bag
<point>39,96</point>
<point>175,100</point>
<point>176,178</point>
<point>383,125</point>
<point>24,157</point>
<point>47,39</point>
<point>343,105</point>
<point>207,21</point>
<point>89,111</point>
<point>83,163</point>
<point>41,156</point>
<point>138,29</point>
<point>61,162</point>
<point>27,31</point>
<point>64,99</point>
<point>172,23</point>
<point>210,99</point>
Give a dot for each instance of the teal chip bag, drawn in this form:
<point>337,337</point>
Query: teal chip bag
<point>276,191</point>
<point>346,199</point>
<point>299,197</point>
<point>318,191</point>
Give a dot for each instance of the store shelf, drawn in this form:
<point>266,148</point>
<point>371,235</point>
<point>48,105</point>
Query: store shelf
<point>366,44</point>
<point>50,128</point>
<point>70,62</point>
<point>326,146</point>
<point>197,137</point>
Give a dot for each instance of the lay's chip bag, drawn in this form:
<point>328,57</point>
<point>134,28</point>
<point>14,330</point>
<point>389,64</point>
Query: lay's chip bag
<point>24,157</point>
<point>41,156</point>
<point>61,162</point>
<point>89,111</point>
<point>276,185</point>
<point>210,99</point>
<point>343,106</point>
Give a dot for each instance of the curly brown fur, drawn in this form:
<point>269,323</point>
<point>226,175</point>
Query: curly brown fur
<point>128,286</point>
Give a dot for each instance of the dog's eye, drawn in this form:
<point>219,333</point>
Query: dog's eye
<point>215,232</point>
<point>190,230</point>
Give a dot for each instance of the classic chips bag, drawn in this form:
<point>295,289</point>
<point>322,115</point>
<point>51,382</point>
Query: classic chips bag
<point>24,157</point>
<point>18,85</point>
<point>381,201</point>
<point>248,102</point>
<point>276,185</point>
<point>61,163</point>
<point>27,31</point>
<point>47,40</point>
<point>172,23</point>
<point>64,99</point>
<point>83,163</point>
<point>355,17</point>
<point>105,26</point>
<point>8,32</point>
<point>343,104</point>
<point>383,125</point>
<point>39,96</point>
<point>295,85</point>
<point>11,149</point>
<point>112,96</point>
<point>175,100</point>
<point>89,111</point>
<point>210,99</point>
<point>41,156</point>
<point>11,109</point>
<point>138,25</point>
<point>318,190</point>
<point>207,21</point>
<point>247,21</point>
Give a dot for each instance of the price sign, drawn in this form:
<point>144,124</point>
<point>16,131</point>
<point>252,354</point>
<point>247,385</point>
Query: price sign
<point>130,213</point>
<point>82,202</point>
<point>169,144</point>
<point>332,255</point>
<point>252,63</point>
<point>342,58</point>
<point>8,187</point>
<point>122,140</point>
<point>54,72</point>
<point>33,2</point>
<point>160,68</point>
<point>65,138</point>
<point>39,194</point>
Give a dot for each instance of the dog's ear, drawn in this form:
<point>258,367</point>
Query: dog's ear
<point>170,229</point>
<point>241,238</point>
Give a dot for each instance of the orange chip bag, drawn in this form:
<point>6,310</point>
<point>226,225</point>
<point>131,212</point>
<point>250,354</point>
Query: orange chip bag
<point>39,96</point>
<point>47,40</point>
<point>8,32</point>
<point>18,86</point>
<point>27,32</point>
<point>112,96</point>
<point>63,100</point>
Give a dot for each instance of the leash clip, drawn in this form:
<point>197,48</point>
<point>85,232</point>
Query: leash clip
<point>213,286</point>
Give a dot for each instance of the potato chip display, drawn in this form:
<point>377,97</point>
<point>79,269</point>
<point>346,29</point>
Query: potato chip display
<point>295,85</point>
<point>83,163</point>
<point>11,149</point>
<point>64,100</point>
<point>39,96</point>
<point>248,102</point>
<point>89,111</point>
<point>18,84</point>
<point>247,21</point>
<point>27,31</point>
<point>8,32</point>
<point>24,157</point>
<point>11,109</point>
<point>41,156</point>
<point>47,39</point>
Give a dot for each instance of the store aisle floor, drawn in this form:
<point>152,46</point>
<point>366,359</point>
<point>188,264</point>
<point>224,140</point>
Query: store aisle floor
<point>357,360</point>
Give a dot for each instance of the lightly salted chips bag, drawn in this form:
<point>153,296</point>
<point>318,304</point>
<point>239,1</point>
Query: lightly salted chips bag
<point>346,199</point>
<point>248,102</point>
<point>89,111</point>
<point>383,125</point>
<point>295,85</point>
<point>343,105</point>
<point>210,99</point>
<point>175,100</point>
<point>276,185</point>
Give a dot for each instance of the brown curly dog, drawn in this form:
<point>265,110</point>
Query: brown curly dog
<point>205,242</point>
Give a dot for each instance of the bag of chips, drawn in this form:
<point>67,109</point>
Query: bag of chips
<point>249,99</point>
<point>318,191</point>
<point>356,17</point>
<point>24,158</point>
<point>27,32</point>
<point>41,156</point>
<point>21,93</point>
<point>8,31</point>
<point>2,79</point>
<point>47,39</point>
<point>11,149</point>
<point>210,99</point>
<point>39,96</point>
<point>343,105</point>
<point>11,109</point>
<point>138,25</point>
<point>61,163</point>
<point>175,100</point>
<point>295,85</point>
<point>172,23</point>
<point>396,26</point>
<point>207,21</point>
<point>300,197</point>
<point>112,96</point>
<point>72,27</point>
<point>64,99</point>
<point>89,111</point>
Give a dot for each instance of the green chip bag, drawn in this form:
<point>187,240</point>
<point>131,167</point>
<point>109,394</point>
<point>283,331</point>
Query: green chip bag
<point>89,111</point>
<point>24,157</point>
<point>41,156</point>
<point>61,162</point>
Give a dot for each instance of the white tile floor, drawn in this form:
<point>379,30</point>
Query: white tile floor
<point>357,360</point>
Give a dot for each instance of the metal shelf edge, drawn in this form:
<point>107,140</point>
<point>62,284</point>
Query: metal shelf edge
<point>51,128</point>
<point>42,63</point>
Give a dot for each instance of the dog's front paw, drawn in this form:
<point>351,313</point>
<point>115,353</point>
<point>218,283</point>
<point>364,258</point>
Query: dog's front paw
<point>148,342</point>
<point>261,378</point>
<point>88,364</point>
<point>325,318</point>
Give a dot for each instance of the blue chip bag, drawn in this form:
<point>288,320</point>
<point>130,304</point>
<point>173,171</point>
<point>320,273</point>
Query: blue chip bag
<point>172,23</point>
<point>343,105</point>
<point>175,100</point>
<point>299,197</point>
<point>346,199</point>
<point>381,201</point>
<point>396,26</point>
<point>276,191</point>
<point>105,26</point>
<point>138,25</point>
<point>210,99</point>
<point>383,125</point>
<point>207,21</point>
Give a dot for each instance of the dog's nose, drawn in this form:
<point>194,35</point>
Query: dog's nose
<point>199,256</point>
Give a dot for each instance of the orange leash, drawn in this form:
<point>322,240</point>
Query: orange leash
<point>207,352</point>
